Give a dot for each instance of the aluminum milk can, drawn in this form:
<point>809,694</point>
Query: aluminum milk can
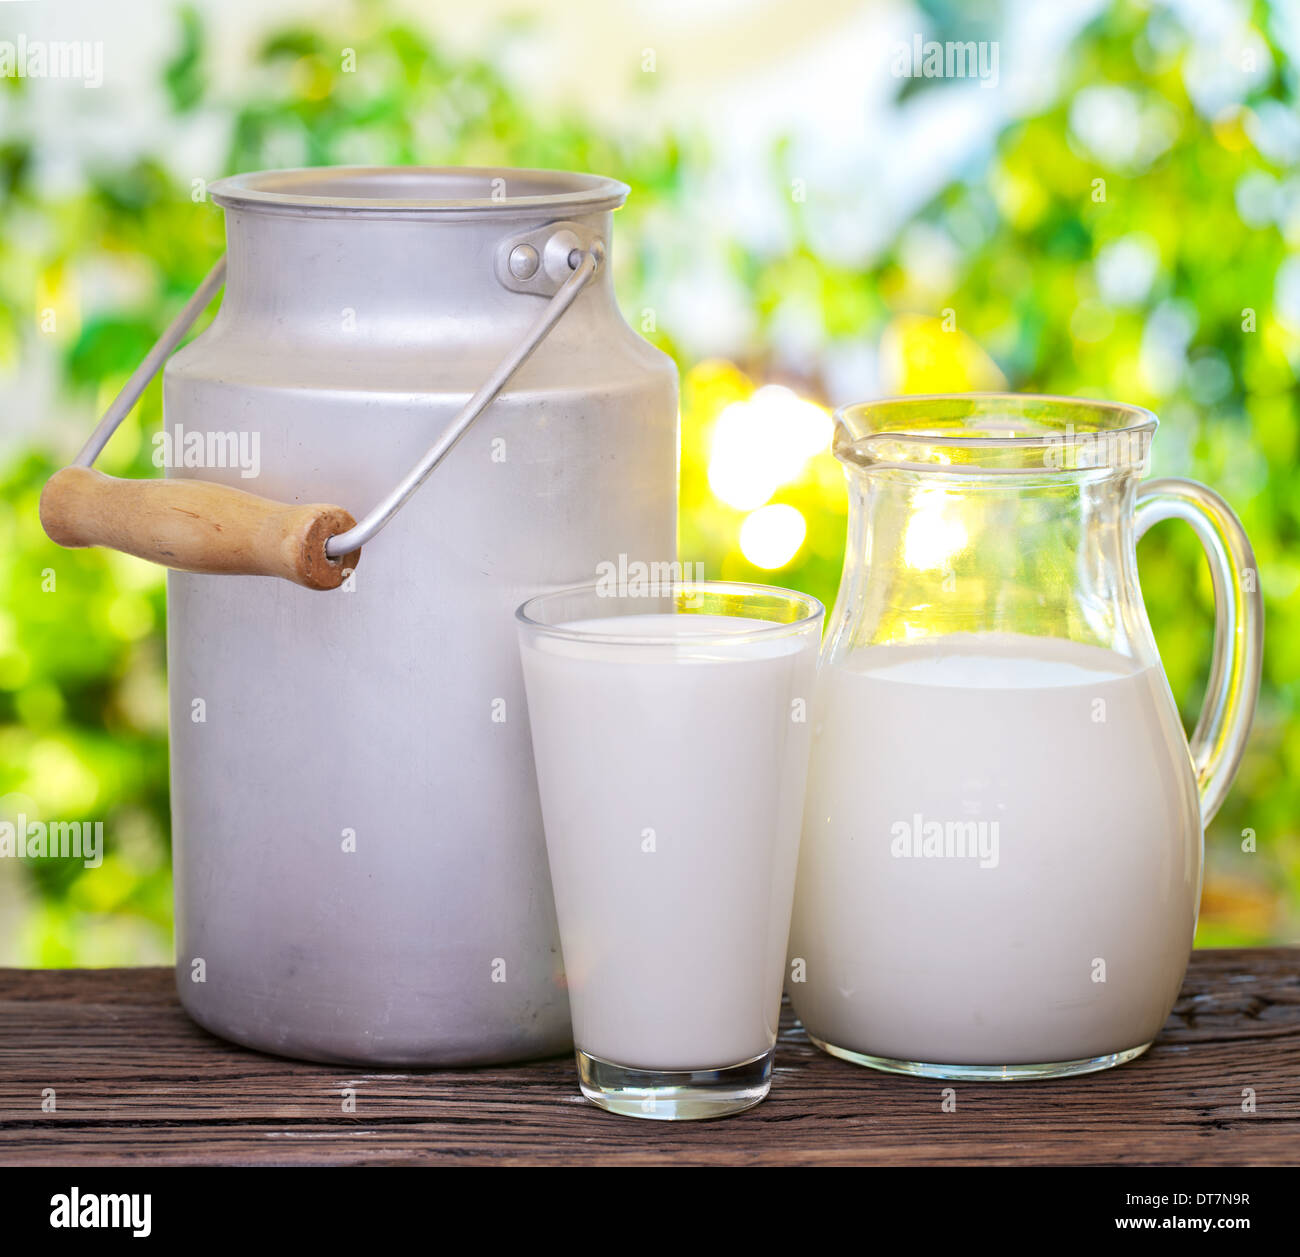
<point>359,862</point>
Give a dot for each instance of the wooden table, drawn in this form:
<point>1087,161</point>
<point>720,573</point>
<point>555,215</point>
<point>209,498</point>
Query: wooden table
<point>136,1082</point>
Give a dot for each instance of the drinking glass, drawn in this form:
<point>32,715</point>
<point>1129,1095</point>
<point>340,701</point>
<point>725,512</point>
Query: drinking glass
<point>671,732</point>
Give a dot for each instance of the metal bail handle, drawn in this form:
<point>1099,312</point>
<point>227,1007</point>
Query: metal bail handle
<point>198,526</point>
<point>583,266</point>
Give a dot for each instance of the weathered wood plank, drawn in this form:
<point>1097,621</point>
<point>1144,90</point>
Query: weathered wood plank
<point>137,1082</point>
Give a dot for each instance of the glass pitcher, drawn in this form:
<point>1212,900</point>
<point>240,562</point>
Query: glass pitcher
<point>1001,859</point>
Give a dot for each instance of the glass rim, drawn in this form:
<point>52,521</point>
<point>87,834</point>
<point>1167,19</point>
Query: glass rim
<point>1140,419</point>
<point>1045,433</point>
<point>814,612</point>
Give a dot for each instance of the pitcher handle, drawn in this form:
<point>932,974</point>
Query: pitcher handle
<point>1219,740</point>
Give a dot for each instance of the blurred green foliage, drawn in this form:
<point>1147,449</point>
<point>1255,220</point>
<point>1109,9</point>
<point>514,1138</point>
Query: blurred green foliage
<point>1032,258</point>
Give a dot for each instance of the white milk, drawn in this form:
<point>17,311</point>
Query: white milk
<point>672,783</point>
<point>1086,849</point>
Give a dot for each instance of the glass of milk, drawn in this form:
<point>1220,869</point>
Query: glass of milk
<point>670,728</point>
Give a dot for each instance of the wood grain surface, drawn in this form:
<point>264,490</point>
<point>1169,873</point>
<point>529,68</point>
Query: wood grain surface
<point>136,1082</point>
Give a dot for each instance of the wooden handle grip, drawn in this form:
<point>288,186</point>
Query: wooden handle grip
<point>196,526</point>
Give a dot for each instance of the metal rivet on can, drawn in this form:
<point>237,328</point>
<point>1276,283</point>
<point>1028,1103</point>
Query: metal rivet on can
<point>524,261</point>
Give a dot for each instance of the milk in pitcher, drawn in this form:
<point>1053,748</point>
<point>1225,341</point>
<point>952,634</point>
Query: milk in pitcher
<point>985,878</point>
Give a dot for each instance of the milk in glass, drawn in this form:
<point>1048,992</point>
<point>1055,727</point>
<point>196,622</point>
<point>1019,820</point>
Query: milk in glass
<point>671,775</point>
